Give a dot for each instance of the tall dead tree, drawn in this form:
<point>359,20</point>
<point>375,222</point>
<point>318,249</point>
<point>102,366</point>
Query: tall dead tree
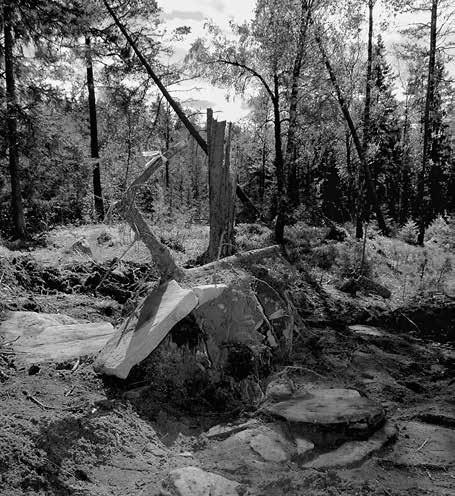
<point>243,197</point>
<point>222,181</point>
<point>427,125</point>
<point>355,137</point>
<point>94,146</point>
<point>17,209</point>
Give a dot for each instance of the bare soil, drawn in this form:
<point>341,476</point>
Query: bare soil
<point>66,431</point>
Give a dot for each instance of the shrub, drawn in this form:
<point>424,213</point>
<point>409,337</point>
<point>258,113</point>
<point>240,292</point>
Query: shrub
<point>408,233</point>
<point>442,231</point>
<point>324,256</point>
<point>252,236</point>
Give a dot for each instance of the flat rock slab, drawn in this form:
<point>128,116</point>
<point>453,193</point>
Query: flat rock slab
<point>193,481</point>
<point>53,337</point>
<point>423,445</point>
<point>266,443</point>
<point>330,411</point>
<point>354,452</point>
<point>143,331</point>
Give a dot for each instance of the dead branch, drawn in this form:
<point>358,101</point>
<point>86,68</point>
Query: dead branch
<point>161,254</point>
<point>239,258</point>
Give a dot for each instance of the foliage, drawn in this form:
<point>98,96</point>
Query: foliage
<point>408,233</point>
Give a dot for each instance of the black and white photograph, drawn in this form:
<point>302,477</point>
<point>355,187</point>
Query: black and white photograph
<point>227,248</point>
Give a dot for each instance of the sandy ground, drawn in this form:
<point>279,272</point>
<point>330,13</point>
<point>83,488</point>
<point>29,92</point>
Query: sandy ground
<point>70,432</point>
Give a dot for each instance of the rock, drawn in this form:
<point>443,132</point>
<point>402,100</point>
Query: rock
<point>53,337</point>
<point>362,283</point>
<point>279,390</point>
<point>82,247</point>
<point>268,441</point>
<point>193,481</point>
<point>374,287</point>
<point>326,416</point>
<point>303,446</point>
<point>224,431</point>
<point>354,452</point>
<point>423,445</point>
<point>145,329</point>
<point>366,330</point>
<point>270,447</point>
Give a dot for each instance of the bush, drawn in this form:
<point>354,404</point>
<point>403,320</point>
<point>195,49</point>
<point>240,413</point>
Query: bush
<point>442,231</point>
<point>350,261</point>
<point>252,236</point>
<point>324,256</point>
<point>408,233</point>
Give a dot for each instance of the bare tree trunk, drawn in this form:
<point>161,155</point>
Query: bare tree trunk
<point>362,203</point>
<point>427,126</point>
<point>243,197</point>
<point>291,152</point>
<point>222,180</point>
<point>17,208</point>
<point>279,165</point>
<point>94,147</point>
<point>358,145</point>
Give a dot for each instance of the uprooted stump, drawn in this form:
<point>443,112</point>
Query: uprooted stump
<point>229,331</point>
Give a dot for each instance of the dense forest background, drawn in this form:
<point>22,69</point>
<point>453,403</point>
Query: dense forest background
<point>335,133</point>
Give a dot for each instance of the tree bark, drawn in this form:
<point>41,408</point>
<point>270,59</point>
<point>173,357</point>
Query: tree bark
<point>222,181</point>
<point>17,209</point>
<point>355,137</point>
<point>427,126</point>
<point>362,203</point>
<point>279,165</point>
<point>291,152</point>
<point>94,146</point>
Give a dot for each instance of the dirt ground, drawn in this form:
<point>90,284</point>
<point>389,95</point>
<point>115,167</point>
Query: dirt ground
<point>66,431</point>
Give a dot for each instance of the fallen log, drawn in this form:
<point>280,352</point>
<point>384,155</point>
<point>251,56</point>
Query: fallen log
<point>237,259</point>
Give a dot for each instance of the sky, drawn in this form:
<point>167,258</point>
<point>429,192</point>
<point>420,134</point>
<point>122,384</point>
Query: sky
<point>194,13</point>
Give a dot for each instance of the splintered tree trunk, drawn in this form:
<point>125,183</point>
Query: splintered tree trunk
<point>222,185</point>
<point>243,197</point>
<point>427,126</point>
<point>94,147</point>
<point>12,137</point>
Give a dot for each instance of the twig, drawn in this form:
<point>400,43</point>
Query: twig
<point>8,343</point>
<point>37,402</point>
<point>76,365</point>
<point>70,390</point>
<point>422,445</point>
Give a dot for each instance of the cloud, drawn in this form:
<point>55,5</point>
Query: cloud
<point>218,5</point>
<point>194,15</point>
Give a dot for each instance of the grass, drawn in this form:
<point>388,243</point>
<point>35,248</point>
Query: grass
<point>410,272</point>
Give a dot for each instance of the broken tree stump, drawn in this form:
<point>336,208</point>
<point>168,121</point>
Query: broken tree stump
<point>222,187</point>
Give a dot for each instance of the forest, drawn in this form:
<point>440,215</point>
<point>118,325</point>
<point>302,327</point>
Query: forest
<point>227,235</point>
